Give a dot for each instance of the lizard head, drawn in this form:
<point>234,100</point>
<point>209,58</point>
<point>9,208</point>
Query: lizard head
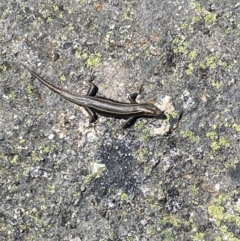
<point>152,111</point>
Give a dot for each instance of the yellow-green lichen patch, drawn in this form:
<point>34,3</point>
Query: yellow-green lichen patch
<point>107,39</point>
<point>3,157</point>
<point>123,196</point>
<point>139,125</point>
<point>76,194</point>
<point>195,19</point>
<point>42,6</point>
<point>34,215</point>
<point>222,142</point>
<point>3,67</point>
<point>190,135</point>
<point>127,13</point>
<point>211,135</point>
<point>52,188</point>
<point>182,48</point>
<point>111,234</point>
<point>49,19</point>
<point>47,149</point>
<point>37,22</point>
<point>210,18</point>
<point>64,37</point>
<point>184,25</point>
<point>63,78</point>
<point>14,159</point>
<point>171,220</point>
<point>151,231</point>
<point>190,69</point>
<point>21,140</point>
<point>23,228</point>
<point>222,216</point>
<point>168,234</point>
<point>196,6</point>
<point>141,154</point>
<point>5,12</point>
<point>43,207</point>
<point>55,8</point>
<point>198,237</point>
<point>218,142</point>
<point>238,208</point>
<point>130,237</point>
<point>145,135</point>
<point>217,212</point>
<point>227,235</point>
<point>97,170</point>
<point>223,63</point>
<point>236,127</point>
<point>29,90</point>
<point>195,189</point>
<point>210,62</point>
<point>34,156</point>
<point>216,84</point>
<point>82,2</point>
<point>26,171</point>
<point>93,60</point>
<point>12,94</point>
<point>193,54</point>
<point>71,27</point>
<point>78,53</point>
<point>176,40</point>
<point>147,170</point>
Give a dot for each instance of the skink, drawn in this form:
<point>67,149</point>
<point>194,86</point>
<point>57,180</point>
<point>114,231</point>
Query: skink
<point>103,106</point>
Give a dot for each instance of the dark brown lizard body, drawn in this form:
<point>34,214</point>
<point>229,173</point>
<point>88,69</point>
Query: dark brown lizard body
<point>103,106</point>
